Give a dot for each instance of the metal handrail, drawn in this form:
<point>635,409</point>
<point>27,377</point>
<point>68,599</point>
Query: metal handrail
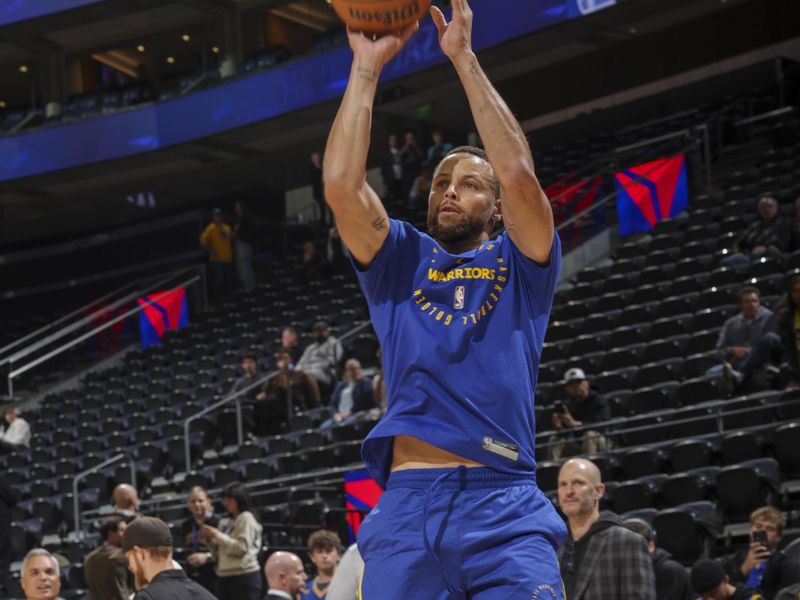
<point>778,112</point>
<point>85,336</point>
<point>76,510</point>
<point>88,319</point>
<point>60,320</point>
<point>237,395</point>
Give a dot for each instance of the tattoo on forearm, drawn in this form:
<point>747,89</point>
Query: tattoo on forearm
<point>367,74</point>
<point>379,224</point>
<point>473,68</point>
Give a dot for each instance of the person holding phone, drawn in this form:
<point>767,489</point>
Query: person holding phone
<point>583,405</point>
<point>762,565</point>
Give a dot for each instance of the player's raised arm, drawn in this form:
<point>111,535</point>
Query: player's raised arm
<point>526,210</point>
<point>360,216</point>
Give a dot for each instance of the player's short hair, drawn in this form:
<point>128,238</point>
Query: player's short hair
<point>480,153</point>
<point>324,540</point>
<point>747,290</point>
<point>40,552</point>
<point>110,525</point>
<point>771,514</point>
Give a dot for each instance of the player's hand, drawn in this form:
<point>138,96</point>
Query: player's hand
<point>455,37</point>
<point>373,54</point>
<point>755,556</point>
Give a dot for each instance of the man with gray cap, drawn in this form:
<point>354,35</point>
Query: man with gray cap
<point>147,544</point>
<point>582,406</point>
<point>710,581</point>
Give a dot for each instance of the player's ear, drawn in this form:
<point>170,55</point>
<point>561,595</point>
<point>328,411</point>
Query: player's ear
<point>497,216</point>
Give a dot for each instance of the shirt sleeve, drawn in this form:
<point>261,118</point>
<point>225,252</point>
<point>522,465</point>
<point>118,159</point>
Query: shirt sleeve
<point>389,276</point>
<point>538,281</point>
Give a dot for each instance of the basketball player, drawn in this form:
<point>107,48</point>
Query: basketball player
<point>461,319</point>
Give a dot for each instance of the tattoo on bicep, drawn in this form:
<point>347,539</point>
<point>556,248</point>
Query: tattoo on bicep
<point>367,74</point>
<point>379,224</point>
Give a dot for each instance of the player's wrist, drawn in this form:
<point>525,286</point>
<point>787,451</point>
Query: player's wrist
<point>464,59</point>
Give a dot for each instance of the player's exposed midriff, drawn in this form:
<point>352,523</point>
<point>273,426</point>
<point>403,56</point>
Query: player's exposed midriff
<point>412,453</point>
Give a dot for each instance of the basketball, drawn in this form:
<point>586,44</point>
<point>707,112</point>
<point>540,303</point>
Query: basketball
<point>380,16</point>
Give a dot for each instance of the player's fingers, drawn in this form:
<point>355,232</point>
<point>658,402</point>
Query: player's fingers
<point>438,19</point>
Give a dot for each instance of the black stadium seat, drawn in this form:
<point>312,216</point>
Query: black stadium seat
<point>744,487</point>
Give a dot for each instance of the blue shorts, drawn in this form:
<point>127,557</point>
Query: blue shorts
<point>451,534</point>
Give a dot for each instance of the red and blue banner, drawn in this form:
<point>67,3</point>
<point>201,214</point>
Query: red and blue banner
<point>162,312</point>
<point>651,192</point>
<point>361,494</point>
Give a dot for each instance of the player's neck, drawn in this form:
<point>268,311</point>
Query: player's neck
<point>579,525</point>
<point>466,245</point>
<point>324,577</point>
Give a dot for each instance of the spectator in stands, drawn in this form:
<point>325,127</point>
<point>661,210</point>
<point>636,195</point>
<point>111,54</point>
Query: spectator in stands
<point>285,575</point>
<point>421,188</point>
<point>199,557</point>
<point>439,148</point>
<point>249,373</point>
<point>105,568</point>
<point>235,546</point>
<point>315,172</point>
<point>126,501</point>
<point>672,578</point>
<point>710,581</point>
<point>601,559</point>
<point>290,380</point>
<point>761,565</point>
<point>747,342</point>
<point>392,169</point>
<point>245,238</point>
<point>321,357</point>
<point>770,235</point>
<point>584,406</point>
<point>217,239</point>
<point>313,267</point>
<point>411,156</point>
<point>40,576</point>
<point>17,432</point>
<point>147,544</point>
<point>325,552</point>
<point>352,396</point>
<point>290,342</point>
<point>787,311</point>
<point>347,579</point>
<point>8,499</point>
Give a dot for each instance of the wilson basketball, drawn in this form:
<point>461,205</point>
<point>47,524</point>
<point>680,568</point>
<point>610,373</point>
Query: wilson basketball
<point>380,16</point>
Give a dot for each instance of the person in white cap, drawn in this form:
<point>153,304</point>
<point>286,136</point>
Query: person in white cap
<point>582,406</point>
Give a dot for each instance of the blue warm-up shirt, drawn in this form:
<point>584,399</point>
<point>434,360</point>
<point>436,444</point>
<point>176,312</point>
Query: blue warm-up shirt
<point>461,336</point>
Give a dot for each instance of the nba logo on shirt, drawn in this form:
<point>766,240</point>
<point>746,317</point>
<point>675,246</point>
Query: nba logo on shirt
<point>458,299</point>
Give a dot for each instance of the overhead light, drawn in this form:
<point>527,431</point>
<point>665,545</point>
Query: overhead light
<point>140,48</point>
<point>171,59</point>
<point>186,37</point>
<point>2,103</point>
<point>215,49</point>
<point>633,30</point>
<point>23,68</point>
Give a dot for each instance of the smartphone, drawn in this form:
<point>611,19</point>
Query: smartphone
<point>559,407</point>
<point>760,537</point>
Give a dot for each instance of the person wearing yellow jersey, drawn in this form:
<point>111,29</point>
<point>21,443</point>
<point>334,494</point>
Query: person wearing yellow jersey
<point>217,240</point>
<point>325,551</point>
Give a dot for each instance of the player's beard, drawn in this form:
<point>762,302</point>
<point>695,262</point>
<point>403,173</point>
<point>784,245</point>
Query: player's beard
<point>464,228</point>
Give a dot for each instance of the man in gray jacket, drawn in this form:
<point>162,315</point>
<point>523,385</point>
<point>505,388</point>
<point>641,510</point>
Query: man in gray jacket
<point>748,341</point>
<point>321,357</point>
<point>601,559</point>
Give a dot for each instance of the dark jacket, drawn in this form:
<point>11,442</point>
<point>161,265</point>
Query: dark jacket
<point>592,409</point>
<point>173,585</point>
<point>672,578</point>
<point>777,234</point>
<point>362,396</point>
<point>781,571</point>
<point>609,562</point>
<point>106,574</point>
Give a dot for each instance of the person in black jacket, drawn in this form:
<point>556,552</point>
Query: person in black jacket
<point>147,544</point>
<point>583,406</point>
<point>672,578</point>
<point>352,395</point>
<point>761,565</point>
<point>8,498</point>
